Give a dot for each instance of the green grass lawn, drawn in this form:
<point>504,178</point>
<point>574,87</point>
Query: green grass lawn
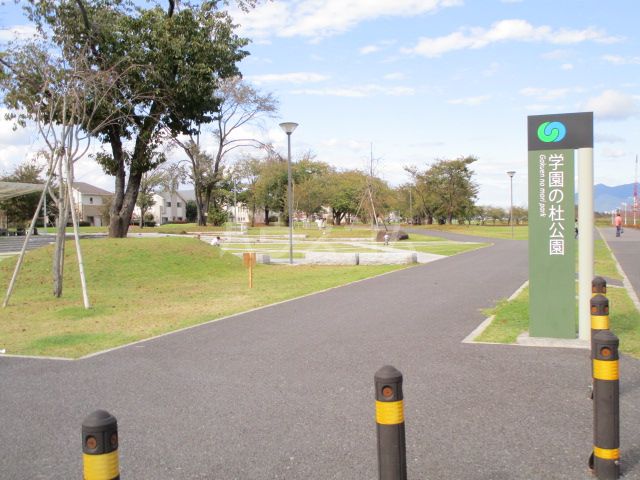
<point>449,249</point>
<point>142,287</point>
<point>520,232</point>
<point>512,318</point>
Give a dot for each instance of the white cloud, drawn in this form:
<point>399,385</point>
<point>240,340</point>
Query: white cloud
<point>322,18</point>
<point>491,70</point>
<point>567,66</point>
<point>17,32</point>
<point>514,30</point>
<point>620,60</point>
<point>608,138</point>
<point>545,94</point>
<point>543,107</point>
<point>612,105</point>
<point>369,49</point>
<point>470,101</point>
<point>293,77</point>
<point>613,153</point>
<point>395,76</point>
<point>559,54</point>
<point>359,91</point>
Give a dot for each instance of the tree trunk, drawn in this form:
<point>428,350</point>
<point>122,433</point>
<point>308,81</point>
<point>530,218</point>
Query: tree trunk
<point>61,224</point>
<point>119,224</point>
<point>202,218</point>
<point>266,216</point>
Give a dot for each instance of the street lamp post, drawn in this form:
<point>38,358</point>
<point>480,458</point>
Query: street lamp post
<point>511,173</point>
<point>288,128</point>
<point>624,205</point>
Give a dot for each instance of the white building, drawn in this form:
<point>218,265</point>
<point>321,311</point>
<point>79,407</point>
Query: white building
<point>168,207</point>
<point>90,202</point>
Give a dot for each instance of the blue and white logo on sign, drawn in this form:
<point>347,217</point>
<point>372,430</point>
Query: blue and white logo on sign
<point>551,132</point>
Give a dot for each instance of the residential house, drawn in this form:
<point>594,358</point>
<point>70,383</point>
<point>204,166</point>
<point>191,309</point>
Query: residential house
<point>168,207</point>
<point>90,203</point>
<point>237,214</point>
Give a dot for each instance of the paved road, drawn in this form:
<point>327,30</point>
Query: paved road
<point>286,392</point>
<point>14,244</point>
<point>626,248</point>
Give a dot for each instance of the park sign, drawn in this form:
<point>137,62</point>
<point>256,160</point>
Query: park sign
<point>552,245</point>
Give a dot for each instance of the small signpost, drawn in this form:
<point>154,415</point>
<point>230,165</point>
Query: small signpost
<point>552,141</point>
<point>249,259</point>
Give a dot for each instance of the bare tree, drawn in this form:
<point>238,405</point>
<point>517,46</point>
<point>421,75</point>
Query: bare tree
<point>61,97</point>
<point>240,106</point>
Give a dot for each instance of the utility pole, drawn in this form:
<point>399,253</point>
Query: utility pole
<point>635,193</point>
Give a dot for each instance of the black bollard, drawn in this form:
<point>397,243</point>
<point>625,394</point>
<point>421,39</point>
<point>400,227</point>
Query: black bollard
<point>599,286</point>
<point>100,447</point>
<point>392,456</point>
<point>599,316</point>
<point>606,406</point>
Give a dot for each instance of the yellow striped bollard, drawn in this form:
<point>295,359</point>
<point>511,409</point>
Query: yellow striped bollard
<point>599,316</point>
<point>392,456</point>
<point>100,447</point>
<point>598,286</point>
<point>606,406</point>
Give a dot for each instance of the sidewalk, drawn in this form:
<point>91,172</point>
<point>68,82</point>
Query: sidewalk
<point>286,392</point>
<point>626,249</point>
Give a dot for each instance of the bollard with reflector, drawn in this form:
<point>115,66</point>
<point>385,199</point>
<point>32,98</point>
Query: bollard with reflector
<point>606,406</point>
<point>598,286</point>
<point>392,457</point>
<point>100,447</point>
<point>599,315</point>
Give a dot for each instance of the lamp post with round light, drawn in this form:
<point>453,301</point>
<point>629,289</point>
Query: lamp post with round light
<point>511,174</point>
<point>288,128</point>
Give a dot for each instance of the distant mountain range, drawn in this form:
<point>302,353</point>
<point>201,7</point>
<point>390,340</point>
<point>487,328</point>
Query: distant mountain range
<point>607,198</point>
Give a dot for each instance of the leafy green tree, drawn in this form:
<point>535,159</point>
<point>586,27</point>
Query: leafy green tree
<point>445,190</point>
<point>520,215</point>
<point>20,210</point>
<point>191,211</point>
<point>424,195</point>
<point>497,214</point>
<point>271,187</point>
<point>311,184</point>
<point>346,191</point>
<point>169,64</point>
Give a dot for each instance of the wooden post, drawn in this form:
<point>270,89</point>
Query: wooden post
<point>249,260</point>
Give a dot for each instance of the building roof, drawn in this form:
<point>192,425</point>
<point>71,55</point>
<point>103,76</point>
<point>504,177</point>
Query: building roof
<point>87,189</point>
<point>188,195</point>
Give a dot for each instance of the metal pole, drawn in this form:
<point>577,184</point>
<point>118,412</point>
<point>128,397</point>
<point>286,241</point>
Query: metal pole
<point>511,207</point>
<point>289,198</point>
<point>44,220</point>
<point>585,240</point>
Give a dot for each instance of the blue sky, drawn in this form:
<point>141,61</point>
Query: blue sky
<point>422,80</point>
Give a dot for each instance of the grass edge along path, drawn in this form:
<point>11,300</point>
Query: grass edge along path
<point>511,317</point>
<point>164,284</point>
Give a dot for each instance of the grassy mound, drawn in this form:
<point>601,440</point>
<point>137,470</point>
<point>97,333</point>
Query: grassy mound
<point>141,287</point>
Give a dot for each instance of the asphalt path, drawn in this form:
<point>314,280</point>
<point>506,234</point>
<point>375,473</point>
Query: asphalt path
<point>286,392</point>
<point>626,249</point>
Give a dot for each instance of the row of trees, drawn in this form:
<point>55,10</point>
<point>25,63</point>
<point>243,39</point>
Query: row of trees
<point>140,78</point>
<point>261,184</point>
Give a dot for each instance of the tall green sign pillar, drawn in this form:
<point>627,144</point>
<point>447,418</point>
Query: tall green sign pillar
<point>552,244</point>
